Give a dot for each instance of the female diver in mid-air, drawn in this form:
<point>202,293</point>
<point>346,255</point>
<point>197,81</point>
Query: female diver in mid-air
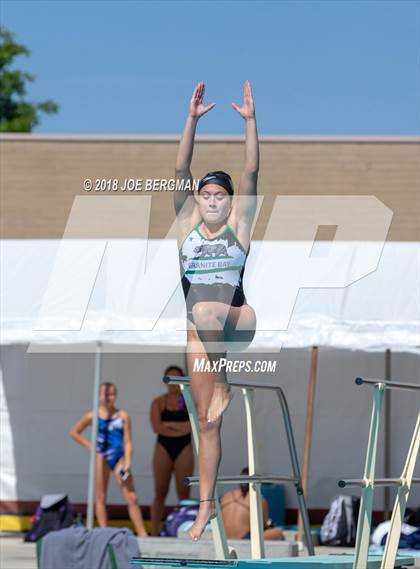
<point>214,232</point>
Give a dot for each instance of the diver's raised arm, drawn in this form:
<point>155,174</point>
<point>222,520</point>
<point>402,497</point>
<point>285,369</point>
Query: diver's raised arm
<point>248,183</point>
<point>186,145</point>
<point>245,208</point>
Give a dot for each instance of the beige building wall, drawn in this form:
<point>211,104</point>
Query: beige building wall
<point>42,174</point>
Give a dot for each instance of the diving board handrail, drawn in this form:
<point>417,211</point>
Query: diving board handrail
<point>266,478</point>
<point>257,542</point>
<point>185,380</point>
<point>256,520</point>
<point>285,408</point>
<point>377,482</point>
<point>369,482</point>
<point>397,517</point>
<point>387,384</point>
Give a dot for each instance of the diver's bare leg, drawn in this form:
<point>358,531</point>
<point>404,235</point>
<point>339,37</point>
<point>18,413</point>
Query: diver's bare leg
<point>208,318</point>
<point>209,451</point>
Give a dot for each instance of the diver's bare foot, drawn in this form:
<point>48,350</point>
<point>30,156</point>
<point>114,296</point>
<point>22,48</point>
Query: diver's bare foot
<point>206,513</point>
<point>220,400</point>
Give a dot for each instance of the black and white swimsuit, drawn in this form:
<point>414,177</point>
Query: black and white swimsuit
<point>212,269</point>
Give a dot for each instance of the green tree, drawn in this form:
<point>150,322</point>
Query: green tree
<point>16,114</point>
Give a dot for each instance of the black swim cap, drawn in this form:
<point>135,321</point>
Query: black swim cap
<point>220,178</point>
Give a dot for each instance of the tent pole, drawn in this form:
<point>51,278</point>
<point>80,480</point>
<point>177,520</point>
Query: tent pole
<point>93,437</point>
<point>308,430</point>
<point>387,435</point>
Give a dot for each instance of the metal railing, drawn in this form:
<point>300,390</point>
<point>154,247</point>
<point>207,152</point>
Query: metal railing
<point>255,480</point>
<point>368,482</point>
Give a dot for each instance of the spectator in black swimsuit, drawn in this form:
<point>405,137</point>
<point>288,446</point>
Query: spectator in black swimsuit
<point>173,451</point>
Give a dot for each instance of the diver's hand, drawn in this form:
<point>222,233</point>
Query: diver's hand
<point>197,107</point>
<point>247,111</point>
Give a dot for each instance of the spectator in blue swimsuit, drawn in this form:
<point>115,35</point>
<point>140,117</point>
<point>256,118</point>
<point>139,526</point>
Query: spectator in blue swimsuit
<point>114,454</point>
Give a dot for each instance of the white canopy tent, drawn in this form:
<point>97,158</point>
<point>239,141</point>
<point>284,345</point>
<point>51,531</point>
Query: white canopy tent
<point>56,292</point>
<point>71,295</point>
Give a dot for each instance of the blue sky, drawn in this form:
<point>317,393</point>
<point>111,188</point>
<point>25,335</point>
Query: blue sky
<point>317,67</point>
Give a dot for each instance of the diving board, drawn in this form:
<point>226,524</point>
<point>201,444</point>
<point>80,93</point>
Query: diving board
<point>343,561</point>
